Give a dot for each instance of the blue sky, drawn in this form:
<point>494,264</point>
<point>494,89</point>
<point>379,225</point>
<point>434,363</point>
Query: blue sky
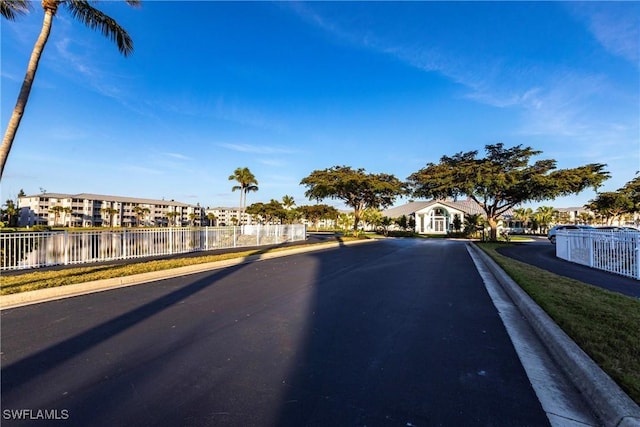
<point>286,88</point>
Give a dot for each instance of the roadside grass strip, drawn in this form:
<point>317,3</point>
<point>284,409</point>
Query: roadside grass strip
<point>606,325</point>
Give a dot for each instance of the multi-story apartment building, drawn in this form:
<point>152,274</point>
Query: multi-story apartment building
<point>223,216</point>
<point>95,210</point>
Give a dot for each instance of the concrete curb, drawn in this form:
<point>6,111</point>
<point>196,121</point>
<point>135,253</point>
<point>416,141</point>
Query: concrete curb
<point>612,405</point>
<point>68,291</point>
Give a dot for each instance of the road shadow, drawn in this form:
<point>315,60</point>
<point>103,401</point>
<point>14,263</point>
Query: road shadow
<point>22,371</point>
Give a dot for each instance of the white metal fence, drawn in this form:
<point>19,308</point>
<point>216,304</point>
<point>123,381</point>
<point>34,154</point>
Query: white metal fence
<point>614,251</point>
<point>40,249</point>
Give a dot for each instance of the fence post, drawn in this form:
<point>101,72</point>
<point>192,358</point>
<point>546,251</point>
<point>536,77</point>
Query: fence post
<point>258,234</point>
<point>637,241</point>
<point>234,236</point>
<point>125,248</point>
<point>65,245</point>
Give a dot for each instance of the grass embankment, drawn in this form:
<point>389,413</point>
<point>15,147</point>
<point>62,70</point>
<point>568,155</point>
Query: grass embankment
<point>31,281</point>
<point>606,325</point>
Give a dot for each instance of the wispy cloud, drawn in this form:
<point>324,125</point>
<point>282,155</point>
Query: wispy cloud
<point>92,75</point>
<point>176,156</point>
<point>140,170</point>
<point>551,100</point>
<point>220,108</point>
<point>616,27</point>
<point>478,77</point>
<point>273,162</point>
<point>256,149</point>
<point>560,107</point>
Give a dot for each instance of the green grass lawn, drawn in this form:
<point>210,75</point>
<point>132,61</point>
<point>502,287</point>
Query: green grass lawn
<point>606,325</point>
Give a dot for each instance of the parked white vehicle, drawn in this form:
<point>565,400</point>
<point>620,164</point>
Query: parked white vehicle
<point>551,235</point>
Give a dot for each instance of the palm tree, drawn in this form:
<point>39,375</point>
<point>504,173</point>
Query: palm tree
<point>473,223</point>
<point>110,212</point>
<point>66,211</point>
<point>544,216</point>
<point>211,217</point>
<point>523,215</point>
<point>140,211</point>
<point>172,215</point>
<point>80,10</point>
<point>288,202</point>
<point>585,217</point>
<point>247,181</point>
<point>56,210</point>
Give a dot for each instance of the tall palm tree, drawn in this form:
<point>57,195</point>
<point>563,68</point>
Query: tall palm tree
<point>172,216</point>
<point>110,212</point>
<point>139,212</point>
<point>80,10</point>
<point>585,217</point>
<point>56,211</point>
<point>211,217</point>
<point>247,182</point>
<point>544,216</point>
<point>66,211</point>
<point>523,215</point>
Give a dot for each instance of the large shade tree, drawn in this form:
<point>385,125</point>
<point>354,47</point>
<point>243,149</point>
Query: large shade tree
<point>315,213</point>
<point>356,188</point>
<point>80,10</point>
<point>502,179</point>
<point>611,205</point>
<point>632,190</point>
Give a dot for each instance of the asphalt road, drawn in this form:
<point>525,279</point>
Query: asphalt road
<point>541,253</point>
<point>394,333</point>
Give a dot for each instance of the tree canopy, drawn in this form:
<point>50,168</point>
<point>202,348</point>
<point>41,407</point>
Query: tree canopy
<point>611,205</point>
<point>314,213</point>
<point>273,211</point>
<point>356,188</point>
<point>502,179</point>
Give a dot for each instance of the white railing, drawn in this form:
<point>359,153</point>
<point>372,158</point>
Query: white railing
<point>614,251</point>
<point>40,249</point>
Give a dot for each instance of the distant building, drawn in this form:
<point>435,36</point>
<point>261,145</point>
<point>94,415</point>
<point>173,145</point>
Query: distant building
<point>225,216</point>
<point>437,216</point>
<point>96,210</point>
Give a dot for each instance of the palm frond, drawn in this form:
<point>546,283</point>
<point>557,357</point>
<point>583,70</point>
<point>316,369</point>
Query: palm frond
<point>10,9</point>
<point>97,20</point>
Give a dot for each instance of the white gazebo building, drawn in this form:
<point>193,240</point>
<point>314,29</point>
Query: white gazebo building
<point>435,216</point>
